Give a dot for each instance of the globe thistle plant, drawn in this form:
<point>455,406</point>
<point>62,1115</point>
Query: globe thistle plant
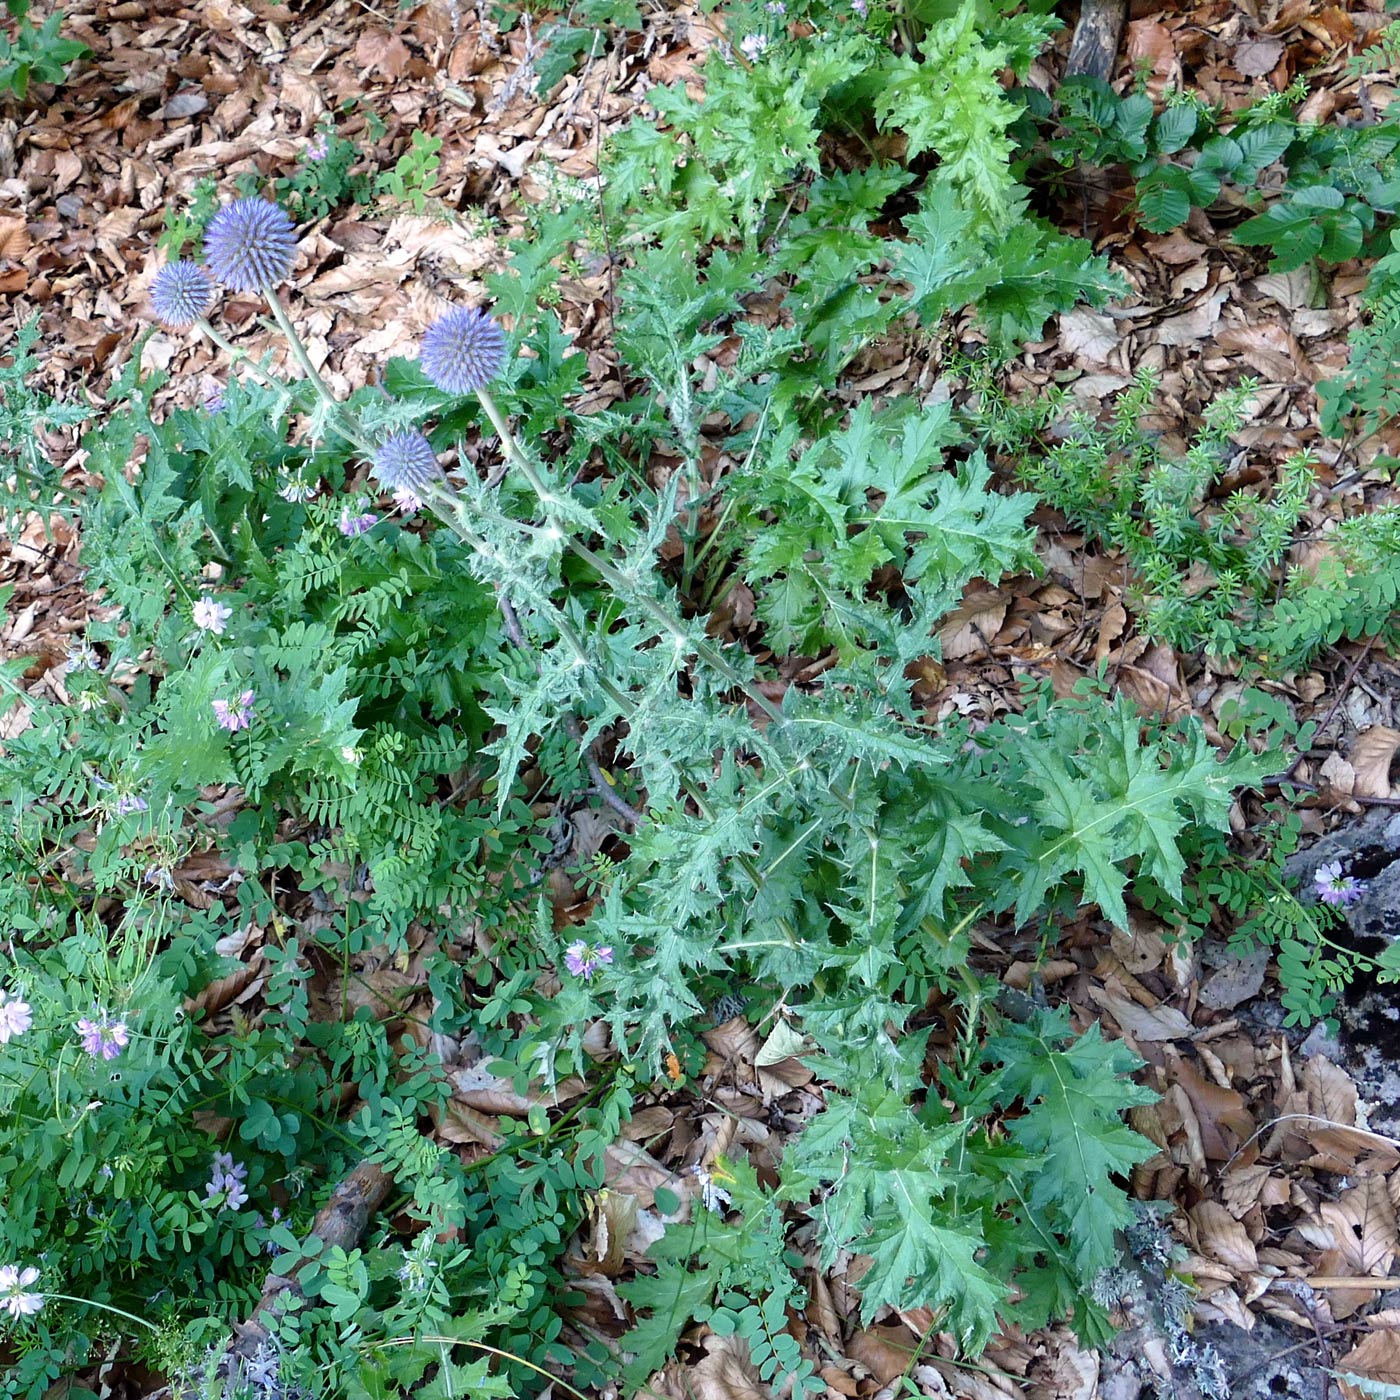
<point>405,461</point>
<point>463,351</point>
<point>250,245</point>
<point>181,294</point>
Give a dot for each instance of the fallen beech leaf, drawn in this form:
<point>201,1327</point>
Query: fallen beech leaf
<point>727,1372</point>
<point>1089,334</point>
<point>1223,1121</point>
<point>14,239</point>
<point>1194,325</point>
<point>1239,979</point>
<point>1376,1357</point>
<point>1150,46</point>
<point>1371,757</point>
<point>1219,1235</point>
<point>384,53</point>
<point>1330,1090</point>
<point>1363,1226</point>
<point>971,627</point>
<point>885,1350</point>
<point>1256,57</point>
<point>1142,1023</point>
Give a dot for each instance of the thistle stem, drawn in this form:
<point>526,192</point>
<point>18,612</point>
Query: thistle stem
<point>239,356</point>
<point>618,580</point>
<point>323,390</point>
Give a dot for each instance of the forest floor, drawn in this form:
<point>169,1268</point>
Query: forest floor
<point>1254,1129</point>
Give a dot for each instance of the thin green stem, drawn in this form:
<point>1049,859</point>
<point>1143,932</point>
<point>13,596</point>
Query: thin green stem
<point>313,375</point>
<point>104,1307</point>
<point>255,371</point>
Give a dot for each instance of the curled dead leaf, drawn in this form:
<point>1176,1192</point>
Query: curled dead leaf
<point>1372,755</point>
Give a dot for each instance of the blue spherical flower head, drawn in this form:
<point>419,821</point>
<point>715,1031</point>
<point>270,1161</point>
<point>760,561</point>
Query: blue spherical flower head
<point>463,351</point>
<point>406,461</point>
<point>250,245</point>
<point>181,294</point>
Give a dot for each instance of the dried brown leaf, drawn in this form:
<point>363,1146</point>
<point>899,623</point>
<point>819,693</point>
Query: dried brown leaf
<point>1371,756</point>
<point>1376,1357</point>
<point>726,1372</point>
<point>1220,1236</point>
<point>1142,1023</point>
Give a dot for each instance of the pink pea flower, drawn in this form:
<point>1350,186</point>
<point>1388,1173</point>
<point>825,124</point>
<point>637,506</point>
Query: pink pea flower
<point>233,715</point>
<point>14,1297</point>
<point>583,960</point>
<point>1335,888</point>
<point>352,525</point>
<point>103,1036</point>
<point>15,1018</point>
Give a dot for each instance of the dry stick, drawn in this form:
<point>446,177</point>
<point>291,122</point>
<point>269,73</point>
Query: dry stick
<point>1336,704</point>
<point>602,786</point>
<point>340,1222</point>
<point>1093,50</point>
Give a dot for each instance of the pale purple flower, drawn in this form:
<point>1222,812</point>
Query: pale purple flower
<point>82,656</point>
<point>407,501</point>
<point>14,1297</point>
<point>233,715</point>
<point>317,148</point>
<point>1335,888</point>
<point>860,8</point>
<point>15,1018</point>
<point>405,461</point>
<point>128,804</point>
<point>227,1177</point>
<point>181,294</point>
<point>103,1036</point>
<point>752,46</point>
<point>462,351</point>
<point>776,7</point>
<point>210,615</point>
<point>352,525</point>
<point>583,959</point>
<point>297,492</point>
<point>213,396</point>
<point>250,245</point>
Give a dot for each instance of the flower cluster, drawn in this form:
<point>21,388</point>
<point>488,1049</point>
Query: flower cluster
<point>181,294</point>
<point>15,1017</point>
<point>210,615</point>
<point>102,1036</point>
<point>357,522</point>
<point>233,715</point>
<point>1335,888</point>
<point>752,46</point>
<point>583,959</point>
<point>15,1297</point>
<point>462,351</point>
<point>227,1177</point>
<point>250,245</point>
